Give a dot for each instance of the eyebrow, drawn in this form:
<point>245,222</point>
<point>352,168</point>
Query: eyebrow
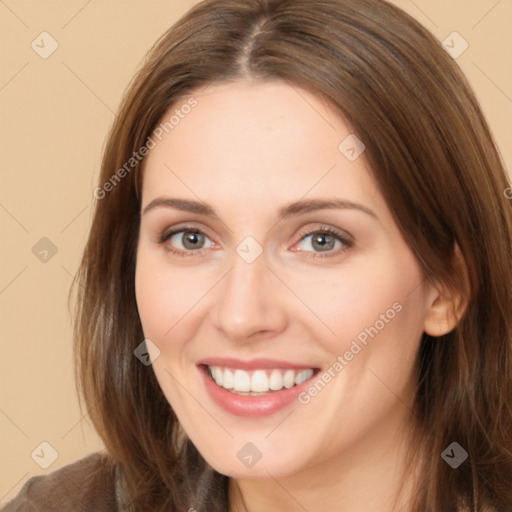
<point>289,210</point>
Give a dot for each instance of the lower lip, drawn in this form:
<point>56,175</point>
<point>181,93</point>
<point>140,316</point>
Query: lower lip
<point>251,406</point>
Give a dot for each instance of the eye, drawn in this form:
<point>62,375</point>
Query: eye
<point>185,241</point>
<point>190,241</point>
<point>326,242</point>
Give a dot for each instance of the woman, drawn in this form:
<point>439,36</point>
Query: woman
<point>295,292</point>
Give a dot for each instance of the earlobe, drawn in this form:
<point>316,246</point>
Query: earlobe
<point>438,321</point>
<point>445,306</point>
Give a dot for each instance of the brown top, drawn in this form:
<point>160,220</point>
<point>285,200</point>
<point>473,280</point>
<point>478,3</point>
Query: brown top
<point>88,485</point>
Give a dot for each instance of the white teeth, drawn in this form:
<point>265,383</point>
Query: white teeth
<point>303,376</point>
<point>258,381</point>
<point>228,379</point>
<point>217,375</point>
<point>276,380</point>
<point>242,381</point>
<point>289,379</point>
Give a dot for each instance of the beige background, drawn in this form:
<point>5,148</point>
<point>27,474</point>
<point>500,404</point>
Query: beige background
<point>55,113</point>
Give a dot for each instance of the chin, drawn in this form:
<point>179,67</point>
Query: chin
<point>245,461</point>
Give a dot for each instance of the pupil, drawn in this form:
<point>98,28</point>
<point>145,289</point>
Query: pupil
<point>321,241</point>
<point>191,240</point>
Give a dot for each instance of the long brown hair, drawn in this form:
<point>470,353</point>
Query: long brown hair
<point>434,161</point>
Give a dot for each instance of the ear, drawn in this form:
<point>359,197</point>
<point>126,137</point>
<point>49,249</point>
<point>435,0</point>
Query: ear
<point>445,307</point>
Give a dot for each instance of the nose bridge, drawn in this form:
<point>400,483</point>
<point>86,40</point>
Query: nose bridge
<point>248,303</point>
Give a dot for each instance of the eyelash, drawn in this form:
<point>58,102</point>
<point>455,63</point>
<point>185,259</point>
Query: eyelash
<point>323,230</point>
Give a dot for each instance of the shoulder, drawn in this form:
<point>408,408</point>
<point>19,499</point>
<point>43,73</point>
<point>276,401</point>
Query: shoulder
<point>88,485</point>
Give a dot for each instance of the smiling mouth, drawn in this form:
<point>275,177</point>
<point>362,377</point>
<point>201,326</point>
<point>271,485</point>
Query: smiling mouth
<point>260,381</point>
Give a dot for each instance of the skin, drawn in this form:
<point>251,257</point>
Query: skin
<point>247,149</point>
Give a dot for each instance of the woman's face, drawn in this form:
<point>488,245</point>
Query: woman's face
<point>251,287</point>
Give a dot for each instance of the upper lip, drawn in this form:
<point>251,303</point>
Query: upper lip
<point>253,364</point>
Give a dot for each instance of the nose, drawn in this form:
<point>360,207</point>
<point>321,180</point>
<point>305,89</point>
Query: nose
<point>250,302</point>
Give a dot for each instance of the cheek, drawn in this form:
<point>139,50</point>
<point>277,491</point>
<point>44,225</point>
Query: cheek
<point>378,321</point>
<point>363,300</point>
<point>166,296</point>
<point>163,300</point>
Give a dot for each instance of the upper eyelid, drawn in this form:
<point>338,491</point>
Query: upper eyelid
<point>175,230</point>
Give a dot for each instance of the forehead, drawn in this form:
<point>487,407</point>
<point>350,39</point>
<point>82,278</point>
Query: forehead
<point>265,141</point>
